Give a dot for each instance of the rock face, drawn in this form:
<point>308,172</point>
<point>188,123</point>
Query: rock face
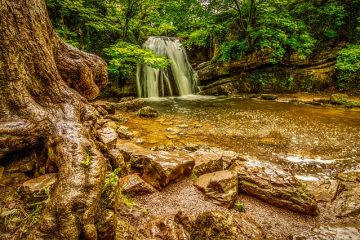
<point>216,225</point>
<point>207,162</point>
<point>348,203</point>
<point>134,185</point>
<point>274,186</point>
<point>148,112</point>
<point>344,231</point>
<point>165,167</point>
<point>220,187</point>
<point>167,228</point>
<point>325,190</point>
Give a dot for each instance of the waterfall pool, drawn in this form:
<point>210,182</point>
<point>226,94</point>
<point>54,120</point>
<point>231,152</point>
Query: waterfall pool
<point>312,141</point>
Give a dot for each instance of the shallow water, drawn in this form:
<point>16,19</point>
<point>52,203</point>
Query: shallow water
<point>312,141</point>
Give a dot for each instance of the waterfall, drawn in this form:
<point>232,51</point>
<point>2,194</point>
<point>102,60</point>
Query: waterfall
<point>176,80</point>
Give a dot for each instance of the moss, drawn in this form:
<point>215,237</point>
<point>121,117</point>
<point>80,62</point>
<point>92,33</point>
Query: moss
<point>111,179</point>
<point>339,99</point>
<point>87,161</point>
<point>240,206</point>
<point>127,200</point>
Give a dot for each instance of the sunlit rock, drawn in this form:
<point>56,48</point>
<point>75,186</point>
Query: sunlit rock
<point>347,203</point>
<point>350,176</point>
<point>219,187</point>
<point>165,167</point>
<point>124,132</point>
<point>135,155</point>
<point>107,135</point>
<point>38,188</point>
<point>134,185</point>
<point>275,186</point>
<point>325,190</point>
<point>207,162</point>
<point>167,228</point>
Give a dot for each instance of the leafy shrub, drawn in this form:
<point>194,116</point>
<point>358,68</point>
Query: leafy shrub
<point>232,50</point>
<point>348,67</point>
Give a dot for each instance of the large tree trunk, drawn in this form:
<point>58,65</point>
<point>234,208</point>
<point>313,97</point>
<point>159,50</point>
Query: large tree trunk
<point>44,88</point>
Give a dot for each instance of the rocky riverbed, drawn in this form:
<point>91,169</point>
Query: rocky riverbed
<point>210,168</point>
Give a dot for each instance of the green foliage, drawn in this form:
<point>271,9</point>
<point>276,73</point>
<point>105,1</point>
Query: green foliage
<point>240,206</point>
<point>233,50</point>
<point>127,200</point>
<point>348,67</point>
<point>87,161</point>
<point>111,180</point>
<point>125,56</point>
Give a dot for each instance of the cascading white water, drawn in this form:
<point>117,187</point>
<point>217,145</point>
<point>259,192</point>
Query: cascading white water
<point>178,79</point>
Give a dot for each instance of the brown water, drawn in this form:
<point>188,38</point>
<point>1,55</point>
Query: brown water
<point>312,141</point>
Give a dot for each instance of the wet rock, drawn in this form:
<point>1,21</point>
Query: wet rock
<point>165,167</point>
<point>207,162</point>
<point>125,133</point>
<point>148,112</point>
<point>23,164</point>
<point>274,186</point>
<point>219,187</point>
<point>102,110</point>
<point>339,231</point>
<point>106,226</point>
<point>269,96</point>
<point>12,179</point>
<point>192,147</point>
<point>107,135</point>
<point>108,106</point>
<point>134,185</point>
<point>137,156</point>
<point>38,188</point>
<point>339,98</point>
<point>228,157</point>
<point>218,225</point>
<point>167,228</point>
<point>349,176</point>
<point>347,203</point>
<point>325,190</point>
<point>130,105</point>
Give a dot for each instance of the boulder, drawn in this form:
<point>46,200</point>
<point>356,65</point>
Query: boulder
<point>217,225</point>
<point>275,186</point>
<point>134,185</point>
<point>148,112</point>
<point>228,157</point>
<point>347,203</point>
<point>124,132</point>
<point>269,96</point>
<point>38,188</point>
<point>219,187</point>
<point>207,162</point>
<point>107,135</point>
<point>325,190</point>
<point>165,167</point>
<point>130,105</point>
<point>338,231</point>
<point>135,155</point>
<point>167,228</point>
<point>349,176</point>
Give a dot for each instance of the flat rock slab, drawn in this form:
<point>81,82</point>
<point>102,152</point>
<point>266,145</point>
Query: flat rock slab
<point>165,167</point>
<point>348,203</point>
<point>36,188</point>
<point>134,185</point>
<point>107,135</point>
<point>346,231</point>
<point>219,187</point>
<point>207,162</point>
<point>219,225</point>
<point>136,155</point>
<point>325,190</point>
<point>274,186</point>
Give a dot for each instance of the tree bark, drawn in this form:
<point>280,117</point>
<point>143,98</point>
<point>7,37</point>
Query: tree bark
<point>44,88</point>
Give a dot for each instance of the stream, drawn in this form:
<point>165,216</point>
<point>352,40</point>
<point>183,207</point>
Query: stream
<point>312,141</point>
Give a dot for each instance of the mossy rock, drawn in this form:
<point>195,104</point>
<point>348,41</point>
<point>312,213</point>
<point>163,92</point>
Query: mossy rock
<point>339,99</point>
